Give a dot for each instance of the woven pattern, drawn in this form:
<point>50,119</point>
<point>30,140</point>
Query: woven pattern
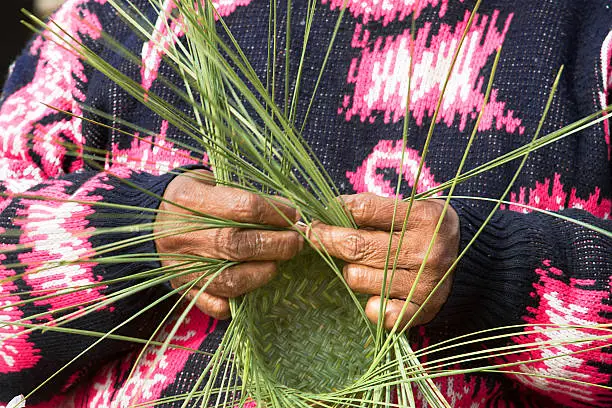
<point>305,329</point>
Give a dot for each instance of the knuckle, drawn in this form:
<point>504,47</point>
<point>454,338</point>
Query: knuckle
<point>353,247</point>
<point>162,243</point>
<point>418,258</point>
<point>248,207</point>
<point>183,191</point>
<point>174,242</point>
<point>432,264</point>
<point>451,227</point>
<point>222,236</point>
<point>235,248</point>
<point>440,259</point>
<point>427,211</point>
<point>249,244</point>
<point>243,245</point>
<point>224,240</point>
<point>182,195</point>
<point>432,261</point>
<point>364,207</point>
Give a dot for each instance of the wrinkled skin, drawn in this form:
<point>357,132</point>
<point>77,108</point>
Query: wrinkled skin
<point>258,250</point>
<point>364,250</point>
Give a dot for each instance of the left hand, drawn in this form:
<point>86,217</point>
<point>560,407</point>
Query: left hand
<point>365,250</point>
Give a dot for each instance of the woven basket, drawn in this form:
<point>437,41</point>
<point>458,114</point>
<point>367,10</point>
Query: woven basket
<point>305,331</point>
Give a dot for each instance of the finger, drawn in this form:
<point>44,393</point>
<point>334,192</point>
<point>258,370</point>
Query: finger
<point>214,306</point>
<point>241,279</point>
<point>372,211</point>
<point>392,313</point>
<point>361,246</point>
<point>237,280</point>
<point>230,203</point>
<point>368,280</point>
<point>237,244</point>
<point>244,206</point>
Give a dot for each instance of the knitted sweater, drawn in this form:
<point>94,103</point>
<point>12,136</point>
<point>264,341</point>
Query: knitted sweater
<point>525,268</point>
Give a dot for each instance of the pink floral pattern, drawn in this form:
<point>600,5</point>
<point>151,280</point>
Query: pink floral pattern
<point>16,352</point>
<point>152,154</point>
<point>561,326</point>
<point>153,372</point>
<point>388,10</point>
<point>553,197</point>
<point>379,76</point>
<point>388,155</point>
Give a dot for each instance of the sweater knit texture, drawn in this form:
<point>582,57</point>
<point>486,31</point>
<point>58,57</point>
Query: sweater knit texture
<point>525,268</point>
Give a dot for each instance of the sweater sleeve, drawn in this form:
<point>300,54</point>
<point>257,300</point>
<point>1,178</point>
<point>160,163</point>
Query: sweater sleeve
<point>54,211</point>
<point>542,272</point>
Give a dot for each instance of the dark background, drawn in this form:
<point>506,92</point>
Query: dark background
<point>14,34</point>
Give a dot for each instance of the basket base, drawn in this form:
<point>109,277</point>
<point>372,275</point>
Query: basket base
<point>305,329</point>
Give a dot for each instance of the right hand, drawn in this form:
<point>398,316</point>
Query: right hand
<point>257,250</point>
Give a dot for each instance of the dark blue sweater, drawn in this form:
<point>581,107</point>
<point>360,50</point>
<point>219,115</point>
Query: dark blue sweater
<point>525,268</point>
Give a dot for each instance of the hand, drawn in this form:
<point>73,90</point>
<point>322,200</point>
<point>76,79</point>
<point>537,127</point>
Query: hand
<point>258,250</point>
<point>365,250</point>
